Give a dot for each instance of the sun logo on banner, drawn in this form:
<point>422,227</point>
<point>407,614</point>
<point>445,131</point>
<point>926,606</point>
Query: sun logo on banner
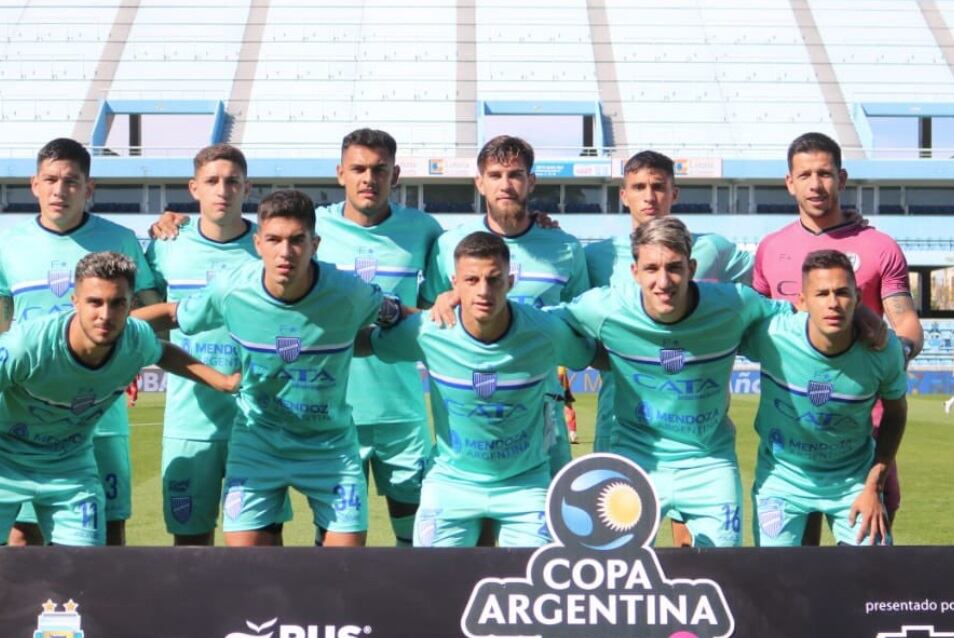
<point>603,514</point>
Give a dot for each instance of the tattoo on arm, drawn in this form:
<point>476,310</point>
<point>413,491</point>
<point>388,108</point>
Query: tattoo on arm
<point>896,306</point>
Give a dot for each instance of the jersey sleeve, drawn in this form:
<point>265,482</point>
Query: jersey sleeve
<point>759,282</point>
<point>737,263</point>
<point>573,350</point>
<point>367,300</point>
<point>579,281</point>
<point>894,384</point>
<point>153,259</point>
<point>399,343</point>
<point>14,363</point>
<point>145,278</point>
<point>147,345</point>
<point>4,283</point>
<point>203,310</point>
<point>753,339</point>
<point>436,277</point>
<point>586,313</point>
<point>755,307</point>
<point>894,271</point>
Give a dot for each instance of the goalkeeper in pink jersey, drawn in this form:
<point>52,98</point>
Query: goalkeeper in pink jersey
<point>815,179</point>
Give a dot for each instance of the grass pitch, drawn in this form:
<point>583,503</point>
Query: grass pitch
<point>925,459</point>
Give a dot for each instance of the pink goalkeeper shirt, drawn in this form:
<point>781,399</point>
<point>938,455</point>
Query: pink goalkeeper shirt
<point>880,267</point>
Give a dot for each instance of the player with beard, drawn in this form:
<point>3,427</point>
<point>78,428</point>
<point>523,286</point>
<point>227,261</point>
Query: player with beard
<point>548,265</point>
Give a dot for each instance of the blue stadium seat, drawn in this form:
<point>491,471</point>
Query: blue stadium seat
<point>31,207</point>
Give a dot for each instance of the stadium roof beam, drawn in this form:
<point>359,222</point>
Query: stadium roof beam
<point>606,80</point>
<point>827,79</point>
<point>244,78</point>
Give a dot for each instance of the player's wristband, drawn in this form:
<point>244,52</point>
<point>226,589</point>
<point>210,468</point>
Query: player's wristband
<point>908,347</point>
<point>390,313</point>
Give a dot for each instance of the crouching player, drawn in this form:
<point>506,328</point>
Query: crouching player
<point>814,417</point>
<point>488,376</point>
<point>58,375</point>
<point>294,320</point>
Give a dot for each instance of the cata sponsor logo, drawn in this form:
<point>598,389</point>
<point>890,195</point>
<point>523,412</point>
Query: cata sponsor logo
<point>271,629</point>
<point>601,576</point>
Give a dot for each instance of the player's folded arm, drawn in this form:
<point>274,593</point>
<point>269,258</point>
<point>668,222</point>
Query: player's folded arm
<point>179,362</point>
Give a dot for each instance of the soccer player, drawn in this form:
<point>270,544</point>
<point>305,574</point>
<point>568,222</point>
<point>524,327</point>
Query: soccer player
<point>815,179</point>
<point>294,320</point>
<point>816,453</point>
<point>37,259</point>
<point>386,244</point>
<point>59,374</point>
<point>672,344</point>
<point>548,265</point>
<point>198,421</point>
<point>649,190</point>
<point>489,376</point>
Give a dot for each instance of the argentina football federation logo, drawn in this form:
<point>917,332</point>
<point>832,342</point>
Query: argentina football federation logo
<point>58,278</point>
<point>366,266</point>
<point>602,514</point>
<point>672,360</point>
<point>484,384</point>
<point>819,392</point>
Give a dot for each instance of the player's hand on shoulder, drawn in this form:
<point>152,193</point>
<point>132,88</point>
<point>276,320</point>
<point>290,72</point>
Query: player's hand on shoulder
<point>442,312</point>
<point>872,331</point>
<point>167,226</point>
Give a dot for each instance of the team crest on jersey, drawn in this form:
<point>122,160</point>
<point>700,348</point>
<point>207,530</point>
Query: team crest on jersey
<point>82,401</point>
<point>485,384</point>
<point>771,516</point>
<point>181,508</point>
<point>366,266</point>
<point>819,392</point>
<point>672,360</point>
<point>58,278</point>
<point>855,260</point>
<point>515,271</point>
<point>288,348</point>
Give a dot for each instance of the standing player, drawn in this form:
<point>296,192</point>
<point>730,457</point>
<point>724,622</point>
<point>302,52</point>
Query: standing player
<point>386,244</point>
<point>294,320</point>
<point>197,420</point>
<point>649,190</point>
<point>548,265</point>
<point>59,374</point>
<point>815,178</point>
<point>37,259</point>
<point>672,344</point>
<point>488,378</point>
<point>814,418</point>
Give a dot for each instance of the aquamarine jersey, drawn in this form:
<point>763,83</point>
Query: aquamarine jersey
<point>672,380</point>
<point>609,262</point>
<point>548,264</point>
<point>814,416</point>
<point>182,268</point>
<point>717,259</point>
<point>393,256</point>
<point>488,398</point>
<point>295,356</point>
<point>50,401</point>
<point>36,269</point>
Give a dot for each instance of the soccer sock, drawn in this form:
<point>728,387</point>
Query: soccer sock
<point>403,527</point>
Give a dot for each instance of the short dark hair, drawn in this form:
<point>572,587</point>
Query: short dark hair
<point>370,138</point>
<point>289,203</point>
<point>825,259</point>
<point>64,148</point>
<point>505,149</point>
<point>106,265</point>
<point>814,143</point>
<point>650,159</point>
<point>220,152</point>
<point>482,245</point>
<point>665,231</point>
